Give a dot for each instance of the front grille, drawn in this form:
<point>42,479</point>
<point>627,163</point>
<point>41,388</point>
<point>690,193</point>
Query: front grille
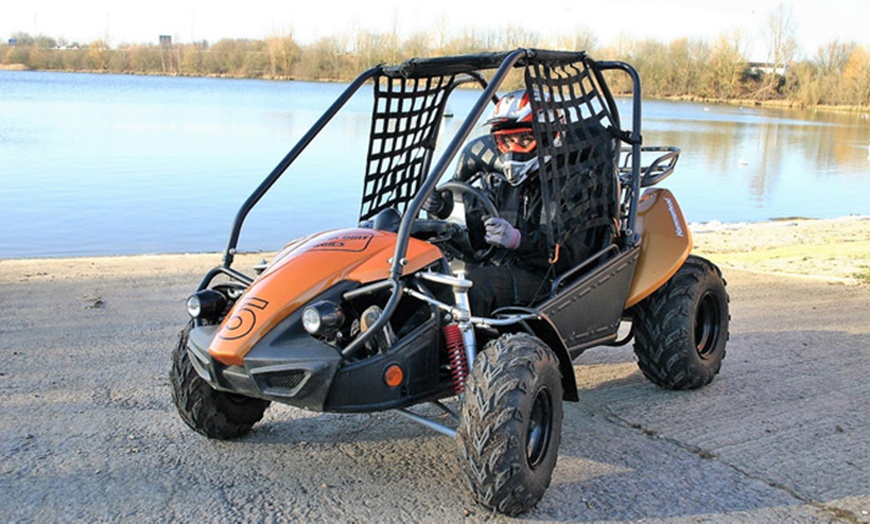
<point>285,380</point>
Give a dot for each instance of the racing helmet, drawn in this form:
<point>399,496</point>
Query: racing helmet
<point>511,128</point>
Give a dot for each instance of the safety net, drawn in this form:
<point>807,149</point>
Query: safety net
<point>578,150</point>
<point>407,116</point>
<point>577,141</point>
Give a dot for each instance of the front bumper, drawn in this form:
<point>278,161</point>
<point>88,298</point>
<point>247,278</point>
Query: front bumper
<point>302,381</point>
<point>292,367</point>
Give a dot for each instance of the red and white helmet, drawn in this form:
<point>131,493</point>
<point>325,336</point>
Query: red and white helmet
<point>511,128</point>
<point>512,110</point>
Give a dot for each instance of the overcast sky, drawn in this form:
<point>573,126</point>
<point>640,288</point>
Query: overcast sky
<point>817,21</point>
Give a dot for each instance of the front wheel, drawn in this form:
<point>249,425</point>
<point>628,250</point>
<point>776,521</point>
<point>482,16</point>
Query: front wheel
<point>681,329</point>
<point>511,423</point>
<point>210,412</point>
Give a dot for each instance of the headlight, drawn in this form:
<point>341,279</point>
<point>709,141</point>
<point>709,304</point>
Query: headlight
<point>194,307</point>
<point>208,304</point>
<point>322,318</point>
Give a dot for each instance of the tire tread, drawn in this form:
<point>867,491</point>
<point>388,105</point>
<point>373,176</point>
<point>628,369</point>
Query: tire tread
<point>663,341</point>
<point>212,413</point>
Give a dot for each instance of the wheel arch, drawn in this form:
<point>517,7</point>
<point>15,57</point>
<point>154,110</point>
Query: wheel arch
<point>543,328</point>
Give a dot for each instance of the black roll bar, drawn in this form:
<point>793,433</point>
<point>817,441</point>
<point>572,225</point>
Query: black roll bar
<point>635,139</point>
<point>265,185</point>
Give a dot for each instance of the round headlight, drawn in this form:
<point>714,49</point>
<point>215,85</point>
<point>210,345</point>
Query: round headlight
<point>208,304</point>
<point>322,318</point>
<point>194,306</point>
<point>311,320</point>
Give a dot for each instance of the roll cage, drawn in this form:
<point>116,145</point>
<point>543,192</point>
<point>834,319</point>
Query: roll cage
<point>410,101</point>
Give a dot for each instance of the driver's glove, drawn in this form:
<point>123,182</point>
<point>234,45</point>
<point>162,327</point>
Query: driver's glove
<point>499,232</point>
<point>434,204</point>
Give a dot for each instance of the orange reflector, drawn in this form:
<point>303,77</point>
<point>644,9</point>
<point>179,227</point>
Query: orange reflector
<point>394,376</point>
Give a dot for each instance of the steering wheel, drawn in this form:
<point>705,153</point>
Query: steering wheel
<point>460,243</point>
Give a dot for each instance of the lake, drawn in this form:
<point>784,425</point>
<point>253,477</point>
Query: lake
<point>118,164</point>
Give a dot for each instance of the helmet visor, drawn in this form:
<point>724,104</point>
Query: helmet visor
<point>515,140</point>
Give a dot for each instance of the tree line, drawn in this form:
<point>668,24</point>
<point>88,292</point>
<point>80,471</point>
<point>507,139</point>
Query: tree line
<point>837,74</point>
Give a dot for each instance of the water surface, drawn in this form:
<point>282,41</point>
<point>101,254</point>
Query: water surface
<point>116,164</point>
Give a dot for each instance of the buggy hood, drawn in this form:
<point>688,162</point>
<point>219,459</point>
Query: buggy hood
<point>303,270</point>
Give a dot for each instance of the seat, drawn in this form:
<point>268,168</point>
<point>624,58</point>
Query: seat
<point>478,155</point>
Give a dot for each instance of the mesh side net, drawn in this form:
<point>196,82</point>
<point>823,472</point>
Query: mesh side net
<point>579,184</point>
<point>405,121</point>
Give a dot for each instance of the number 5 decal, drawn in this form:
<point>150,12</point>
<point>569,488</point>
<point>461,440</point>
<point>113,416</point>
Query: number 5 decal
<point>243,320</point>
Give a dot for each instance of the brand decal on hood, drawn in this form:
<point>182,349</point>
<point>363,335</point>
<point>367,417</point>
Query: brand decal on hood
<point>678,228</point>
<point>354,242</point>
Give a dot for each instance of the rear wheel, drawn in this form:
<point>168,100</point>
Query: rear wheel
<point>681,329</point>
<point>511,423</point>
<point>215,414</point>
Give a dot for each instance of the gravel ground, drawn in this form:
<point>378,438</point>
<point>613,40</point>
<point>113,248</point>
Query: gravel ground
<point>88,432</point>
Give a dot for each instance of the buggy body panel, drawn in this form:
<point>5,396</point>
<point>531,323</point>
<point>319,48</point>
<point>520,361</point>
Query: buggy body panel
<point>666,242</point>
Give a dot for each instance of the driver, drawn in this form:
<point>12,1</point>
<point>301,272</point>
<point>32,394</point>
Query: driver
<point>520,269</point>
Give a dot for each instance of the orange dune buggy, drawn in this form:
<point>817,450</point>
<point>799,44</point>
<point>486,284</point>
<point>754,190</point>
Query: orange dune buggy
<point>376,317</point>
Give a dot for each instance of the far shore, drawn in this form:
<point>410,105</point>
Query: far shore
<point>743,102</point>
<point>776,103</point>
<point>836,250</point>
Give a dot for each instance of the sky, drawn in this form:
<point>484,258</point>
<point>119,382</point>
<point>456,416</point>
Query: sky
<point>817,22</point>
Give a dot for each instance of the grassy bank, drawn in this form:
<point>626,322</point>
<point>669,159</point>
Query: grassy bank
<point>836,249</point>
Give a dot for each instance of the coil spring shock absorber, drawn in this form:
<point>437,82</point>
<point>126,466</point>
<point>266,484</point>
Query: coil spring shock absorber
<point>456,354</point>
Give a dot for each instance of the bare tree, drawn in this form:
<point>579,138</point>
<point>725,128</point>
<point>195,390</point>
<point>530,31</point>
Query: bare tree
<point>98,55</point>
<point>832,57</point>
<point>325,59</point>
<point>440,31</point>
<point>686,58</point>
<point>283,54</point>
<point>582,40</point>
<point>856,78</point>
<point>782,48</point>
<point>418,44</point>
<point>514,36</point>
<point>725,66</point>
<point>585,40</point>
